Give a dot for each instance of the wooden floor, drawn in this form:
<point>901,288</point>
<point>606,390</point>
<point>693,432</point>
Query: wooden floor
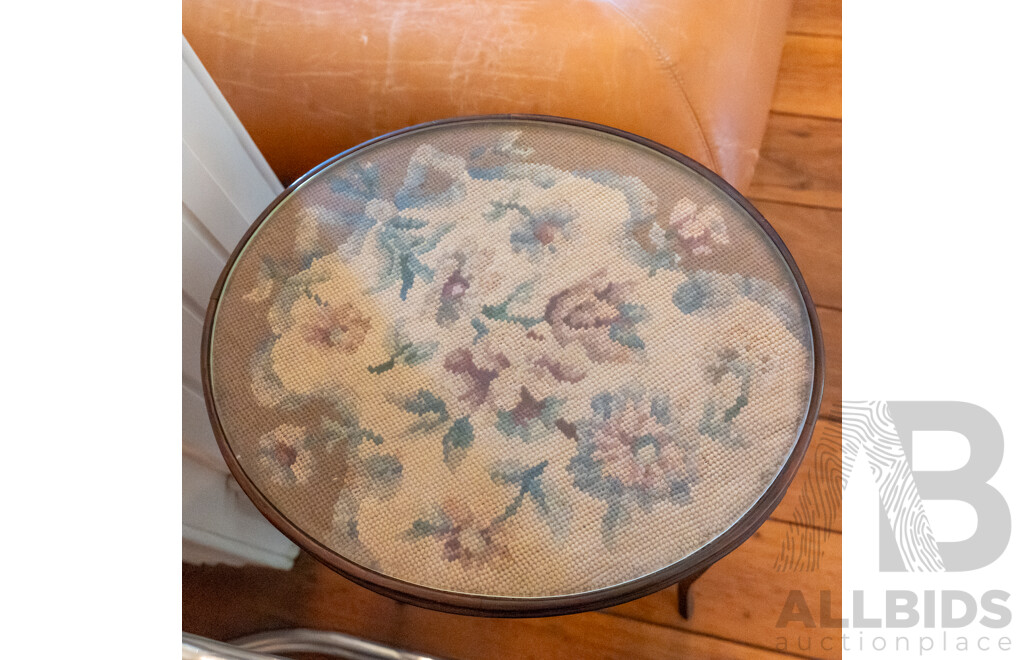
<point>738,601</point>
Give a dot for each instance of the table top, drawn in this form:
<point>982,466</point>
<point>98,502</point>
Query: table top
<point>513,365</point>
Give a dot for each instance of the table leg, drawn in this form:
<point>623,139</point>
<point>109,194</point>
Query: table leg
<point>686,595</point>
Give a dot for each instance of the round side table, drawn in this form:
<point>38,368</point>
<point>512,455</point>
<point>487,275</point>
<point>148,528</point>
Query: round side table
<point>513,366</point>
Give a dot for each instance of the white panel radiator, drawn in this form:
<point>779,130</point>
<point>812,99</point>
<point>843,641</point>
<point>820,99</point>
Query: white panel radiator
<point>225,184</point>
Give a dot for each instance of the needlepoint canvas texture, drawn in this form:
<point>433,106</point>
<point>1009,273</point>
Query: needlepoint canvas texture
<point>511,358</point>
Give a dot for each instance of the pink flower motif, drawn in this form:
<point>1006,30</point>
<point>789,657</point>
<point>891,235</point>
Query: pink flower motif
<point>695,231</point>
<point>637,450</point>
<point>633,454</point>
<point>462,539</point>
<point>472,545</point>
<point>341,326</point>
<point>594,314</point>
<point>282,451</point>
<point>465,276</point>
<point>476,367</point>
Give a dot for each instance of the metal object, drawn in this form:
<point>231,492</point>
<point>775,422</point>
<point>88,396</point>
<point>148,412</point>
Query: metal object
<point>194,647</point>
<point>265,646</point>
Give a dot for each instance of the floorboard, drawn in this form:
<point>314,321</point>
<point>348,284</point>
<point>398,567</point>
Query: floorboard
<point>810,77</point>
<point>223,603</point>
<point>817,17</point>
<point>814,236</point>
<point>742,596</point>
<point>831,321</point>
<point>815,497</point>
<point>801,162</point>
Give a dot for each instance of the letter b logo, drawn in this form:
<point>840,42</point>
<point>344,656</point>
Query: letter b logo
<point>883,430</point>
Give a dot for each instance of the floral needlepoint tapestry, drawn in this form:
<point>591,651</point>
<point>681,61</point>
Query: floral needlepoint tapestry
<point>510,359</point>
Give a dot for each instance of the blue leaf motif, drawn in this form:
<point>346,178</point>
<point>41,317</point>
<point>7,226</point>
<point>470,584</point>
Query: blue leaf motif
<point>456,441</point>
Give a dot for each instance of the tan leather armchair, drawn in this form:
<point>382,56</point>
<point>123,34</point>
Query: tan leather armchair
<point>311,78</point>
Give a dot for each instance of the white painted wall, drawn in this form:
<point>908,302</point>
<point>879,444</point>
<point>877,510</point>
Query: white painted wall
<point>225,185</point>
